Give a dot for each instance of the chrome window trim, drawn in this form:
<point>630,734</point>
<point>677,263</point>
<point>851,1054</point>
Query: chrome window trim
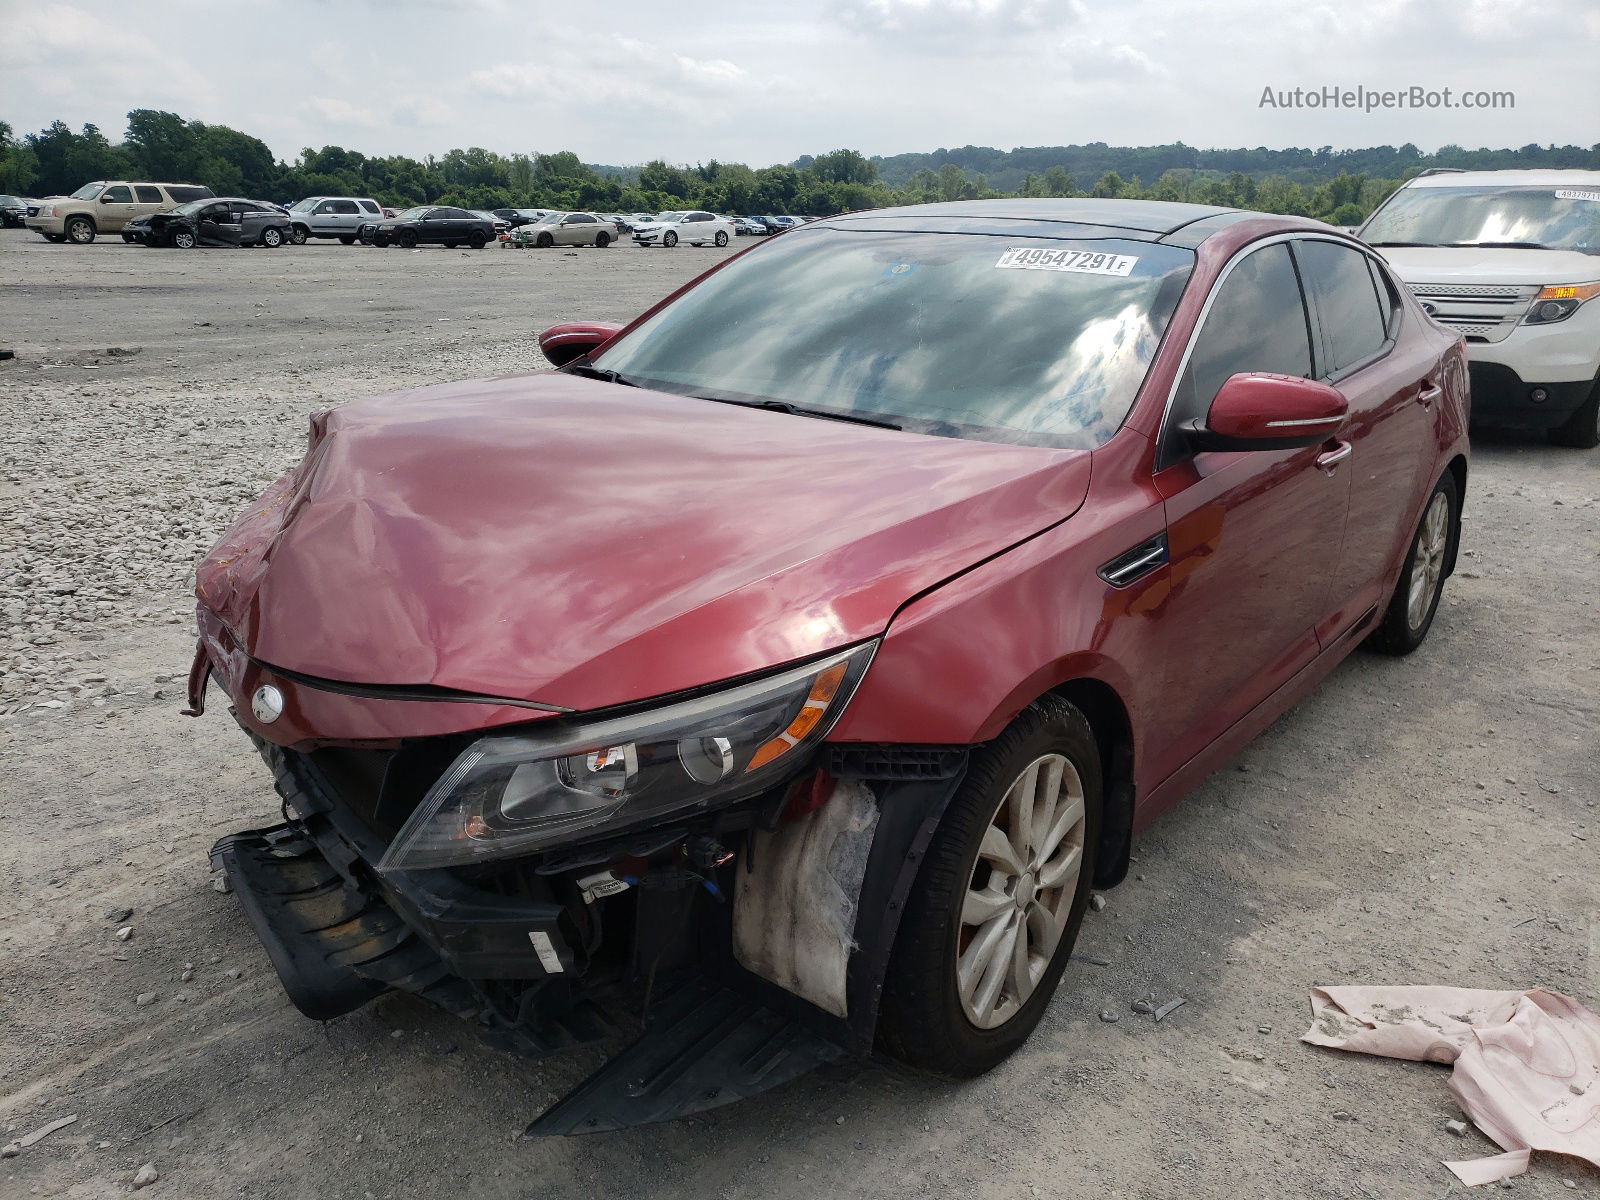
<point>1243,253</point>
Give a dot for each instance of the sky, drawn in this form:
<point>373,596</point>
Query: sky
<point>626,81</point>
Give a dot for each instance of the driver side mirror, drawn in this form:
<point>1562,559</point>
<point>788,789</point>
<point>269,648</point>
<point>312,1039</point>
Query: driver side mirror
<point>105,199</point>
<point>1258,411</point>
<point>563,343</point>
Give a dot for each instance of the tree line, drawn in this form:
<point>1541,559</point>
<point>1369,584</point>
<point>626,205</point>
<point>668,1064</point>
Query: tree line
<point>1339,186</point>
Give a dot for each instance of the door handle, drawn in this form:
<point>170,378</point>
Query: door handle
<point>1328,461</point>
<point>1428,393</point>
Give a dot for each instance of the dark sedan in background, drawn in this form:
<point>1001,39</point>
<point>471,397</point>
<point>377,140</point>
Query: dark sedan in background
<point>436,224</point>
<point>14,211</point>
<point>214,221</point>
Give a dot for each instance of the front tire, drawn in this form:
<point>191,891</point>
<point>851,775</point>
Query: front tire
<point>406,239</point>
<point>298,234</point>
<point>184,239</point>
<point>1581,430</point>
<point>669,239</point>
<point>1416,597</point>
<point>544,241</point>
<point>991,919</point>
<point>80,231</point>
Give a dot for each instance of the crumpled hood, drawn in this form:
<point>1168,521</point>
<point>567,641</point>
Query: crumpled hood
<point>1467,264</point>
<point>583,544</point>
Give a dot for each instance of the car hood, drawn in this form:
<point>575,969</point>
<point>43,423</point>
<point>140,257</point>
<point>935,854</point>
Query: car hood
<point>578,543</point>
<point>1466,264</point>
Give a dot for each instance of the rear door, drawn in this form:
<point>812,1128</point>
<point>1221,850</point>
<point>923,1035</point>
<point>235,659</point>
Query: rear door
<point>1391,392</point>
<point>148,199</point>
<point>1253,537</point>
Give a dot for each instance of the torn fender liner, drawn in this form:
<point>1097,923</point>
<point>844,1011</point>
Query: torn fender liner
<point>705,1045</point>
<point>797,893</point>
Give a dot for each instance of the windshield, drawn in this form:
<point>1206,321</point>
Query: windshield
<point>413,214</point>
<point>1546,217</point>
<point>1032,341</point>
<point>550,219</point>
<point>194,206</point>
<point>672,216</point>
<point>88,191</point>
<point>303,205</point>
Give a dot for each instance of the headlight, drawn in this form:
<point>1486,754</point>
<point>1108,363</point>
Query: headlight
<point>1554,304</point>
<point>510,794</point>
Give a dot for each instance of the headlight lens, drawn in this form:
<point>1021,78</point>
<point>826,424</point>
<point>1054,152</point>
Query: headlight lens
<point>510,794</point>
<point>1557,303</point>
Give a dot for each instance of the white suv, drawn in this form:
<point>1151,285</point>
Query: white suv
<point>331,217</point>
<point>1511,260</point>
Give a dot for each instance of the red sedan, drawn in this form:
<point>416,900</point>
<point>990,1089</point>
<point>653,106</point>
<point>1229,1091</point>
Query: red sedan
<point>786,667</point>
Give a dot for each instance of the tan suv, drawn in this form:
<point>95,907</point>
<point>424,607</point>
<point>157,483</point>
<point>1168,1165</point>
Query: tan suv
<point>103,207</point>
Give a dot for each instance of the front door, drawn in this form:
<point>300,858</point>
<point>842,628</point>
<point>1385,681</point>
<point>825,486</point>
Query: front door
<point>1253,536</point>
<point>115,208</point>
<point>219,225</point>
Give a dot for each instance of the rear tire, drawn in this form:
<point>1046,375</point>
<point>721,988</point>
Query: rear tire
<point>298,234</point>
<point>964,897</point>
<point>1416,597</point>
<point>477,241</point>
<point>79,231</point>
<point>271,237</point>
<point>1582,429</point>
<point>722,237</point>
<point>347,239</point>
<point>602,240</point>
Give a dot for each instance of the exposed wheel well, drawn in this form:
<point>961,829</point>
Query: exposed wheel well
<point>1458,468</point>
<point>1108,717</point>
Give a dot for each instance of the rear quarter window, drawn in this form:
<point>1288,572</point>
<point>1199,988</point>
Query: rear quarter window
<point>183,193</point>
<point>147,194</point>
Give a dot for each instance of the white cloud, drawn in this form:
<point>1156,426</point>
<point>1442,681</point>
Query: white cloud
<point>957,18</point>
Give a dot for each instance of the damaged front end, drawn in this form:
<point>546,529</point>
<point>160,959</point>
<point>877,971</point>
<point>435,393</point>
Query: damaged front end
<point>556,883</point>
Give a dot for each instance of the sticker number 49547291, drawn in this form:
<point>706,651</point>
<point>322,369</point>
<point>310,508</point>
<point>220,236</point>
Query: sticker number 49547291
<point>1092,262</point>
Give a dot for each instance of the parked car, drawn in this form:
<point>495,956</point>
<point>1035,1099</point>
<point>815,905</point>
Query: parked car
<point>226,221</point>
<point>517,217</point>
<point>103,207</point>
<point>1511,260</point>
<point>564,229</point>
<point>501,225</point>
<point>431,224</point>
<point>696,228</point>
<point>745,226</point>
<point>796,659</point>
<point>332,217</point>
<point>14,211</point>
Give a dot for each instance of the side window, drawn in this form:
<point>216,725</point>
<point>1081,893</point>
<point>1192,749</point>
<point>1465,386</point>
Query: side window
<point>582,219</point>
<point>1340,284</point>
<point>325,207</point>
<point>1388,302</point>
<point>120,194</point>
<point>1257,322</point>
<point>147,194</point>
<point>345,208</point>
<point>370,207</point>
<point>183,193</point>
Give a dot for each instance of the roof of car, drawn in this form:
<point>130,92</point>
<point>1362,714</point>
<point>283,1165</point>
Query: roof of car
<point>1129,220</point>
<point>1547,178</point>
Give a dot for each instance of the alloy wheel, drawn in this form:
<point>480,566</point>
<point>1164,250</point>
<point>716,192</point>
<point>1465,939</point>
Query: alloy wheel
<point>1427,568</point>
<point>1021,891</point>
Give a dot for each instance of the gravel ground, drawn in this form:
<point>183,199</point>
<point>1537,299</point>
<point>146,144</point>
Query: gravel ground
<point>1431,820</point>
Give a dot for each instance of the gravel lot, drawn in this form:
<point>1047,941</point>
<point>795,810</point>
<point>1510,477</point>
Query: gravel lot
<point>1430,820</point>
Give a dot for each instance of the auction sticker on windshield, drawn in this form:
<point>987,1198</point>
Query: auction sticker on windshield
<point>1092,262</point>
<point>1575,194</point>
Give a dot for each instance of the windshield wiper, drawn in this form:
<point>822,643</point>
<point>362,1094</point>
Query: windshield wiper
<point>1498,245</point>
<point>797,410</point>
<point>582,366</point>
<point>1434,244</point>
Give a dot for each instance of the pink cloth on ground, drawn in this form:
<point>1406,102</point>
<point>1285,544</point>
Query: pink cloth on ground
<point>1527,1064</point>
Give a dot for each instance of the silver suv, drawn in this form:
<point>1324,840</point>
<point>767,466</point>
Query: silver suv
<point>331,217</point>
<point>105,207</point>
